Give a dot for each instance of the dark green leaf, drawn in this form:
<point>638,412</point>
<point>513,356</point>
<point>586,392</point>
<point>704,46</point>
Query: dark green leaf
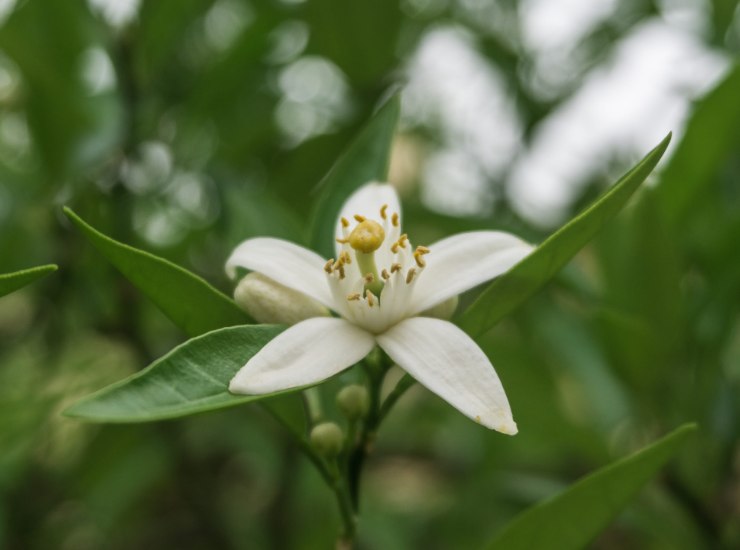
<point>192,378</point>
<point>712,135</point>
<point>13,281</point>
<point>573,518</point>
<point>507,292</point>
<point>189,301</point>
<point>365,160</point>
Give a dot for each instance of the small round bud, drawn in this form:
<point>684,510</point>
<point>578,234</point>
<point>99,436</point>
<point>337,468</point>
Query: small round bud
<point>367,236</point>
<point>270,302</point>
<point>354,402</point>
<point>327,438</point>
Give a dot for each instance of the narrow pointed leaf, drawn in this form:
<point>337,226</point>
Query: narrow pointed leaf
<point>188,300</point>
<point>10,282</point>
<point>366,159</point>
<point>507,292</point>
<point>712,135</point>
<point>570,520</point>
<point>192,378</point>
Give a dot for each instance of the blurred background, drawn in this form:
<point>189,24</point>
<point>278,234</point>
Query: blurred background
<point>183,127</point>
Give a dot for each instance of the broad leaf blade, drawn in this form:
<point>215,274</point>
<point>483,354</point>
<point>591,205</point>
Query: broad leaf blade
<point>507,292</point>
<point>10,282</point>
<point>365,160</point>
<point>573,518</point>
<point>189,301</point>
<point>192,378</point>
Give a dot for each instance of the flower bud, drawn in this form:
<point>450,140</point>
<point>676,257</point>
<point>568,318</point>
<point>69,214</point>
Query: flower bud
<point>354,402</point>
<point>327,438</point>
<point>270,302</point>
<point>445,310</point>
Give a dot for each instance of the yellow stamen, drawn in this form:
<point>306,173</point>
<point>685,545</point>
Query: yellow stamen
<point>345,221</point>
<point>367,236</point>
<point>328,266</point>
<point>342,241</point>
<point>395,267</point>
<point>410,275</point>
<point>359,218</point>
<point>341,271</point>
<point>419,260</point>
<point>370,298</point>
<point>353,297</point>
<point>385,274</point>
<point>345,257</point>
<point>394,219</point>
<point>369,278</point>
<point>382,211</point>
<point>423,249</point>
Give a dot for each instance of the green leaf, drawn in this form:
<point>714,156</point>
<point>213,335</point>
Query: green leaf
<point>192,378</point>
<point>365,160</point>
<point>573,518</point>
<point>712,135</point>
<point>13,281</point>
<point>189,301</point>
<point>507,292</point>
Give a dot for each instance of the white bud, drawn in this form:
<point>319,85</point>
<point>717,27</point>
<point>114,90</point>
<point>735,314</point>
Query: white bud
<point>270,302</point>
<point>445,310</point>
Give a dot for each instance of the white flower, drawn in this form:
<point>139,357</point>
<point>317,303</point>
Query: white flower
<point>381,287</point>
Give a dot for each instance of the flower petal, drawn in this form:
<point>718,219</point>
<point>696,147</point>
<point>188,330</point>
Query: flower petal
<point>287,263</point>
<point>304,354</point>
<point>460,262</point>
<point>367,201</point>
<point>447,361</point>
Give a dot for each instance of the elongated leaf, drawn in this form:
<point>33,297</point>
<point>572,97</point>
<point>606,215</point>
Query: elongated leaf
<point>712,135</point>
<point>365,160</point>
<point>573,518</point>
<point>192,378</point>
<point>189,301</point>
<point>507,292</point>
<point>18,279</point>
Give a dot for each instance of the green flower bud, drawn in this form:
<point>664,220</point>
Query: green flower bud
<point>270,302</point>
<point>327,438</point>
<point>354,402</point>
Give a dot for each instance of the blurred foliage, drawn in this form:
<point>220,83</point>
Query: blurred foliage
<point>197,124</point>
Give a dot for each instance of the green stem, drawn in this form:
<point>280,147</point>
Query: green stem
<point>330,473</point>
<point>403,385</point>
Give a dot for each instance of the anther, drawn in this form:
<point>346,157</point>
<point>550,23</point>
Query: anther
<point>423,249</point>
<point>395,267</point>
<point>359,218</point>
<point>370,297</point>
<point>345,257</point>
<point>345,221</point>
<point>342,241</point>
<point>419,260</point>
<point>385,274</point>
<point>410,275</point>
<point>369,278</point>
<point>353,297</point>
<point>328,266</point>
<point>394,219</point>
<point>341,271</point>
<point>383,213</point>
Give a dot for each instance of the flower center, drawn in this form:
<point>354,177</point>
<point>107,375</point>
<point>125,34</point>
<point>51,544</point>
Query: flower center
<point>375,298</point>
<point>367,236</point>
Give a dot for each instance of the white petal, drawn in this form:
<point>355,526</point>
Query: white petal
<point>304,354</point>
<point>460,262</point>
<point>287,263</point>
<point>367,201</point>
<point>447,361</point>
